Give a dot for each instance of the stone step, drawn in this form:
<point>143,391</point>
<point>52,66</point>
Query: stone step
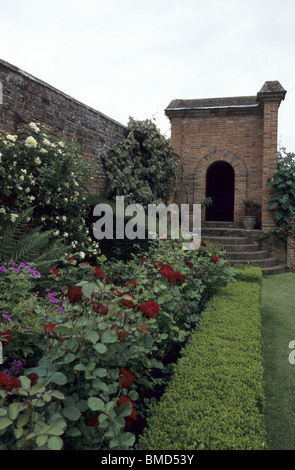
<point>241,248</point>
<point>277,269</point>
<point>263,263</point>
<point>215,225</point>
<point>250,255</point>
<point>230,232</point>
<point>226,241</point>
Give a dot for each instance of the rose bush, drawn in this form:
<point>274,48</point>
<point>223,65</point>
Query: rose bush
<point>47,173</point>
<point>106,336</point>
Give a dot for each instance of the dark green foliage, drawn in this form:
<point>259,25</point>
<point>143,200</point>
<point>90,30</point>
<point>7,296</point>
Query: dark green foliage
<point>282,202</point>
<point>142,167</point>
<point>115,249</point>
<point>215,399</point>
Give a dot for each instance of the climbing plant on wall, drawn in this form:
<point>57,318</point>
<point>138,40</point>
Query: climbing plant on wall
<point>282,202</point>
<point>142,167</point>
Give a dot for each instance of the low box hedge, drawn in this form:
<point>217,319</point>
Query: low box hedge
<point>215,399</point>
<point>249,274</point>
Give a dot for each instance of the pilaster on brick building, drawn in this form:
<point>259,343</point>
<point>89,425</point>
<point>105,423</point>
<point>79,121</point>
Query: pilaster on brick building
<point>228,150</point>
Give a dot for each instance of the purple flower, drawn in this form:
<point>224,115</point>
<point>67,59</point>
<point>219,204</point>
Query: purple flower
<point>7,317</point>
<point>16,270</point>
<point>4,270</point>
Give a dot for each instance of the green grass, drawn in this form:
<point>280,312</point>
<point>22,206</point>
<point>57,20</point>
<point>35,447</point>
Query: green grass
<point>278,329</point>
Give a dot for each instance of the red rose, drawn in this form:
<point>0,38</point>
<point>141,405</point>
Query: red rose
<point>53,271</point>
<point>276,208</point>
<point>188,263</point>
<point>93,421</point>
<point>50,327</point>
<point>103,310</point>
<point>74,294</point>
<point>96,307</point>
<point>166,271</point>
<point>203,243</point>
<point>178,276</point>
<point>70,258</point>
<point>9,383</point>
<point>33,378</point>
<point>158,264</point>
<point>214,259</point>
<point>132,284</point>
<point>127,302</point>
<point>98,273</point>
<point>120,333</point>
<point>150,309</point>
<point>5,337</point>
<point>132,416</point>
<point>126,378</point>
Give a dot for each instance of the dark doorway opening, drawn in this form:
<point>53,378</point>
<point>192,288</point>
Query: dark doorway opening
<point>220,186</point>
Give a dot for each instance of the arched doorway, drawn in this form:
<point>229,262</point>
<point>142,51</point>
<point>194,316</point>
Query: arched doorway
<point>220,186</point>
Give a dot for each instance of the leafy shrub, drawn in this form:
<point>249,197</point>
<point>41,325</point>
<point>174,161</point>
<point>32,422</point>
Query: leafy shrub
<point>46,173</point>
<point>282,201</point>
<point>215,399</point>
<point>142,167</point>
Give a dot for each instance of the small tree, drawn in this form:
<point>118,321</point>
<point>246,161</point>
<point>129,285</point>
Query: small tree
<point>143,166</point>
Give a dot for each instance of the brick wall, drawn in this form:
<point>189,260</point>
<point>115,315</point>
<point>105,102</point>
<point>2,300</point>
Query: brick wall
<point>241,131</point>
<point>26,99</point>
<point>291,252</point>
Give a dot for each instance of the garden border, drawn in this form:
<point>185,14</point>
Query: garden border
<point>215,399</point>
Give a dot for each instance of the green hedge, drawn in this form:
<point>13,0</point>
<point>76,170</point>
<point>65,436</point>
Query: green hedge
<point>249,274</point>
<point>215,399</point>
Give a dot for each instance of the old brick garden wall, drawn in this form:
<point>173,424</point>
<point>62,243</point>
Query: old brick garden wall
<point>27,99</point>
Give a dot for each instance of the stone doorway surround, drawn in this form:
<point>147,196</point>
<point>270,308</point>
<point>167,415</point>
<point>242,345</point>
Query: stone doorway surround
<point>240,183</point>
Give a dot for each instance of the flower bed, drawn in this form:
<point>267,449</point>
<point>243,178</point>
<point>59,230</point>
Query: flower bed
<point>215,399</point>
<point>89,353</point>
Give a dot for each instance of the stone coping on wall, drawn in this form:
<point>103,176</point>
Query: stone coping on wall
<point>40,82</point>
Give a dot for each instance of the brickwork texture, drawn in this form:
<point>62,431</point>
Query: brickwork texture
<point>241,131</point>
<point>27,99</point>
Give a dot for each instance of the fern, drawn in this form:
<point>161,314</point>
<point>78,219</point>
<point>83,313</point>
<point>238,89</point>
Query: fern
<point>20,243</point>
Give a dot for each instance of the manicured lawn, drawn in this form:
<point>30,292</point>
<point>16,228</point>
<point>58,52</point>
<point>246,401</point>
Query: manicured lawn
<point>278,330</point>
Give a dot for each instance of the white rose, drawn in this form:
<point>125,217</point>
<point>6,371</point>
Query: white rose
<point>34,127</point>
<point>11,137</point>
<point>38,161</point>
<point>82,255</point>
<point>31,142</point>
<point>13,217</point>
